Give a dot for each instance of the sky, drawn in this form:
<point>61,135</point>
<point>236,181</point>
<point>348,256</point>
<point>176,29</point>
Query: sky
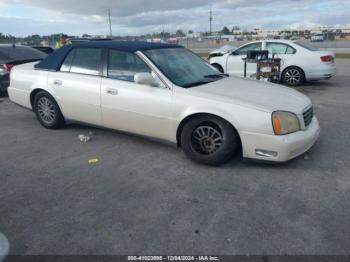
<point>135,17</point>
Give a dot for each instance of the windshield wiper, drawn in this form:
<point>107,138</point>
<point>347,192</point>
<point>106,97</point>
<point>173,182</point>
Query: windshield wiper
<point>215,75</point>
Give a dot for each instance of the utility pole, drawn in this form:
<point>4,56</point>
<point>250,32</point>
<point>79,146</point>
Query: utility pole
<point>210,20</point>
<point>110,24</point>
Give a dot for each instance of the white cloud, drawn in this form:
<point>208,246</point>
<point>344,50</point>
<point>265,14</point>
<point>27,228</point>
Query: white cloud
<point>140,16</point>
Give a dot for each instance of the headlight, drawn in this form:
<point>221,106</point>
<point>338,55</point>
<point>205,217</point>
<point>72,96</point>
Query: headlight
<point>285,122</point>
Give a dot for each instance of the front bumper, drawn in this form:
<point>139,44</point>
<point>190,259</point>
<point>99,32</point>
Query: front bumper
<point>286,147</point>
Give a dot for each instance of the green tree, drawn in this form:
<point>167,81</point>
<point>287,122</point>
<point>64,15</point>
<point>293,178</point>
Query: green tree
<point>180,33</point>
<point>225,31</point>
<point>235,28</point>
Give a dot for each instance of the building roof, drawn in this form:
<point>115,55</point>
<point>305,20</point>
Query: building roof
<point>53,61</point>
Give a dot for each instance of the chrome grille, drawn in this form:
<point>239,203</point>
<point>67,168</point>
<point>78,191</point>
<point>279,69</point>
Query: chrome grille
<point>308,115</point>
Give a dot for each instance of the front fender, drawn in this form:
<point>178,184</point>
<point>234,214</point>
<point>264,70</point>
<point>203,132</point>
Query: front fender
<point>243,119</point>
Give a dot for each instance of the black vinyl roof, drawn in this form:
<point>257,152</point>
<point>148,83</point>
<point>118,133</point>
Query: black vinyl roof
<point>54,60</point>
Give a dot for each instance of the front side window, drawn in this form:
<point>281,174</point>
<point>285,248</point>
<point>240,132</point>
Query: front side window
<point>124,65</point>
<point>279,49</point>
<point>183,67</point>
<point>251,47</point>
<point>85,61</point>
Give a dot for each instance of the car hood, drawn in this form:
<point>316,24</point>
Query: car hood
<point>256,94</point>
<point>223,50</point>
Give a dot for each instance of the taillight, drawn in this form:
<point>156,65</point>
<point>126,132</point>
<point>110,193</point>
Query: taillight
<point>327,58</point>
<point>8,67</point>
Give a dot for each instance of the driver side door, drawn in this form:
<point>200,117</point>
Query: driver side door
<point>133,107</point>
<point>235,62</point>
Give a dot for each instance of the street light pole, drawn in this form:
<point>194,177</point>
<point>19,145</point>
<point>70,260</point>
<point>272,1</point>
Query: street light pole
<point>211,20</point>
<point>110,23</point>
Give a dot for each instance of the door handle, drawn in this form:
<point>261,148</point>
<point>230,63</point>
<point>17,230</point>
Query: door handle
<point>57,82</point>
<point>112,91</point>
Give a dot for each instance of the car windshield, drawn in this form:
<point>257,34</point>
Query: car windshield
<point>307,46</point>
<point>183,67</point>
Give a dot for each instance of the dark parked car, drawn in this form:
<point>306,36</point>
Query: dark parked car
<point>12,55</point>
<point>83,40</point>
<point>46,49</point>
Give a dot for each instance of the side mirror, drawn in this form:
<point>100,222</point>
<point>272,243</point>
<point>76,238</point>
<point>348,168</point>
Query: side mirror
<point>234,53</point>
<point>144,79</point>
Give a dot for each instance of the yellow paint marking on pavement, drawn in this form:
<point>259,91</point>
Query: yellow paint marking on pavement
<point>93,161</point>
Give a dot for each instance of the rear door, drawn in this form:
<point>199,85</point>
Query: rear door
<point>235,63</point>
<point>133,107</point>
<point>77,85</point>
<point>283,51</point>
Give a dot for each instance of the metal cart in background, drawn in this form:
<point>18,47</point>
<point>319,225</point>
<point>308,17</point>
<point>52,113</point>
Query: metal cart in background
<point>267,69</point>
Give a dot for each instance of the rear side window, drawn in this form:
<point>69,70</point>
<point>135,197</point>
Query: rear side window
<point>290,50</point>
<point>279,48</point>
<point>124,65</point>
<point>67,63</point>
<point>84,61</point>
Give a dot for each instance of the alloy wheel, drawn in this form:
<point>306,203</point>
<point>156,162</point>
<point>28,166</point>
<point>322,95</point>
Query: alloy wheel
<point>46,110</point>
<point>206,139</point>
<point>293,77</point>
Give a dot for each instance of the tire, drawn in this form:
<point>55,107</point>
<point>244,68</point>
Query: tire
<point>293,76</point>
<point>47,111</point>
<point>218,67</point>
<point>204,148</point>
<point>3,91</point>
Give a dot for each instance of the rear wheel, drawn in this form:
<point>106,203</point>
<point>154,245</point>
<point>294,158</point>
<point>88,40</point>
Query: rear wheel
<point>3,92</point>
<point>47,111</point>
<point>293,76</point>
<point>209,140</point>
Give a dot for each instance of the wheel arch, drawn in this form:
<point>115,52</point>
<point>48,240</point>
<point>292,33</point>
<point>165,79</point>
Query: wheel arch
<point>198,114</point>
<point>35,91</point>
<point>295,66</point>
<point>218,65</point>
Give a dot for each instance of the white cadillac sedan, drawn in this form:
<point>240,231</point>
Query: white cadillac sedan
<point>167,92</point>
<point>300,62</point>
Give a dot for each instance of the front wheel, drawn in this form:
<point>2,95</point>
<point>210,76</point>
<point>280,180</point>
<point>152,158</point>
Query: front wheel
<point>209,140</point>
<point>293,76</point>
<point>47,111</point>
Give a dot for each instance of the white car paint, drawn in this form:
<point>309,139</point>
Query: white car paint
<point>309,61</point>
<point>157,111</point>
<point>222,50</point>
